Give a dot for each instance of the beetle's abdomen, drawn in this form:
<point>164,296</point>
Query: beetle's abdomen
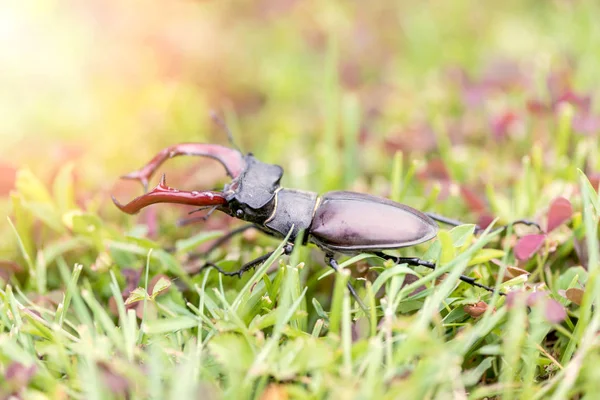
<point>293,207</point>
<point>348,221</point>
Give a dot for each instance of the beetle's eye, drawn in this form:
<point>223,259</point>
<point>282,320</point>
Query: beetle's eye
<point>239,213</point>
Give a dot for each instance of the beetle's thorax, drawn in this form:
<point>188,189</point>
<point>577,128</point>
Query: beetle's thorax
<point>293,209</point>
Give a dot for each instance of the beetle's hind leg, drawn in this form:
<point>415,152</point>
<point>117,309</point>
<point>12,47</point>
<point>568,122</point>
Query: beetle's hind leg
<point>415,261</point>
<point>333,264</point>
<point>478,229</point>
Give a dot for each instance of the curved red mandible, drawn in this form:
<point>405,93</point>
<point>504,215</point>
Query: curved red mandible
<point>232,160</point>
<point>164,194</point>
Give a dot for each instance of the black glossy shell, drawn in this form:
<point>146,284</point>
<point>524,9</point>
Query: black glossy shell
<point>353,222</point>
<point>257,184</point>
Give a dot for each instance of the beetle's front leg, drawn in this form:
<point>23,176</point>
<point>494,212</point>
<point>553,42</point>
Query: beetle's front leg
<point>287,250</point>
<point>223,239</point>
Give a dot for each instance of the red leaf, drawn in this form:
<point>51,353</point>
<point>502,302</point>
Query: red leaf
<point>473,201</point>
<point>594,178</point>
<point>528,245</point>
<point>436,170</point>
<point>485,220</point>
<point>8,268</point>
<point>575,295</point>
<point>586,123</point>
<point>7,178</point>
<point>515,298</point>
<point>554,311</point>
<point>560,212</point>
<point>537,107</point>
<point>502,124</point>
<point>476,310</point>
<point>579,101</point>
<point>18,375</point>
<point>419,137</point>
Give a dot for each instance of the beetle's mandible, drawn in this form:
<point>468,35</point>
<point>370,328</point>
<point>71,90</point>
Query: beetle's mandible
<point>337,222</point>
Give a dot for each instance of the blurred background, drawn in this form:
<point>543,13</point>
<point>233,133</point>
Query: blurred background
<point>330,90</point>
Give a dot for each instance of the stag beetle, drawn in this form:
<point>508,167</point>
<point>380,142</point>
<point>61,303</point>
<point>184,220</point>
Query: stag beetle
<point>337,222</point>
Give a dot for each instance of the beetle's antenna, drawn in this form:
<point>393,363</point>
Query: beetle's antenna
<point>187,221</point>
<point>200,209</point>
<point>219,121</point>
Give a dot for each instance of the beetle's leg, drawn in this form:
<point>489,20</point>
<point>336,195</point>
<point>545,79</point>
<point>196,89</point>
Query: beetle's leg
<point>232,160</point>
<point>226,237</point>
<point>415,261</point>
<point>478,229</point>
<point>525,222</point>
<point>333,264</point>
<point>445,220</point>
<point>244,268</point>
<point>287,250</point>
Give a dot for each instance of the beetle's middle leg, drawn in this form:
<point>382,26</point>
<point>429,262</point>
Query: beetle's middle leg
<point>333,264</point>
<point>223,239</point>
<point>415,261</point>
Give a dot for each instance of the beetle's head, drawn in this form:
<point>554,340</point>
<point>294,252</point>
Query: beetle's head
<point>250,195</point>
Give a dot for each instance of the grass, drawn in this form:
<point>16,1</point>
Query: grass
<point>95,304</point>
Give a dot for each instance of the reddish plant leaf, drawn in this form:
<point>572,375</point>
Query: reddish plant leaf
<point>474,95</point>
<point>502,124</point>
<point>560,212</point>
<point>503,74</point>
<point>558,82</point>
<point>575,295</point>
<point>514,298</point>
<point>594,179</point>
<point>18,376</point>
<point>579,101</point>
<point>537,107</point>
<point>114,381</point>
<point>485,220</point>
<point>586,123</point>
<point>436,170</point>
<point>476,310</point>
<point>132,279</point>
<point>554,311</point>
<point>534,297</point>
<point>473,201</point>
<point>8,175</point>
<point>8,268</point>
<point>528,245</point>
<point>419,137</point>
